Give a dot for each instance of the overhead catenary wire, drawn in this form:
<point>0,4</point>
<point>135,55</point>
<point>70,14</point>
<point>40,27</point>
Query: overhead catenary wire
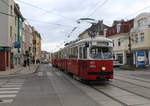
<point>45,10</point>
<point>33,20</point>
<point>137,11</point>
<point>99,5</point>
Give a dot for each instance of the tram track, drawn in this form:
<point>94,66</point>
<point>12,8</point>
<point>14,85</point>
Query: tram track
<point>140,81</point>
<point>117,99</point>
<point>113,98</point>
<point>134,78</point>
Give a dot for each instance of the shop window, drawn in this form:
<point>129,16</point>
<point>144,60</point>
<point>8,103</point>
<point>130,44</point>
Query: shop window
<point>120,58</point>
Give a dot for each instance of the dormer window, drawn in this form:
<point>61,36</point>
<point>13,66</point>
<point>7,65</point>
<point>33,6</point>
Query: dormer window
<point>118,27</point>
<point>142,22</point>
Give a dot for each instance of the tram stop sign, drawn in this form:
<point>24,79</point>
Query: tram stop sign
<point>141,59</point>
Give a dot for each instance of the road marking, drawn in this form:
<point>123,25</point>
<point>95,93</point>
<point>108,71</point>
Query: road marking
<point>6,101</point>
<point>7,96</point>
<point>50,74</point>
<point>9,88</point>
<point>12,83</point>
<point>11,92</point>
<point>40,74</point>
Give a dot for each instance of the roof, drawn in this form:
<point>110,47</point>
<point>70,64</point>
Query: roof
<point>97,39</point>
<point>17,10</point>
<point>99,27</point>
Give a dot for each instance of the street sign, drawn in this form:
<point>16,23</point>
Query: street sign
<point>140,58</point>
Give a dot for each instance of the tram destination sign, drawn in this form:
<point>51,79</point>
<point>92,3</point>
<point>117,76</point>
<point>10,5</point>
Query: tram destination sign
<point>102,43</point>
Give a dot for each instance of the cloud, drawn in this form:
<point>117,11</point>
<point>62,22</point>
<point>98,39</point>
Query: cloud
<point>66,12</point>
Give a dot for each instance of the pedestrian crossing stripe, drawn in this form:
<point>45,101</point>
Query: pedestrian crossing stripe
<point>9,90</point>
<point>6,101</point>
<point>7,96</point>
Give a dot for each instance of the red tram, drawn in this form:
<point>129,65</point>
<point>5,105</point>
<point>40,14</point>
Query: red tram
<point>88,59</point>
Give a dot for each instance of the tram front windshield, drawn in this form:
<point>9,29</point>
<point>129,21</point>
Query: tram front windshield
<point>101,52</point>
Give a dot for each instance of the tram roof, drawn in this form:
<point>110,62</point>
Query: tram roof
<point>96,39</point>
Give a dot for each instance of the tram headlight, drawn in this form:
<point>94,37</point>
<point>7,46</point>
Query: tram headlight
<point>103,68</point>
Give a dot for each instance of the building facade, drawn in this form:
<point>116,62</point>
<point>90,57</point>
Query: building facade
<point>140,40</point>
<point>94,31</point>
<point>16,36</point>
<point>27,46</point>
<point>6,33</point>
<point>36,46</point>
<point>119,33</point>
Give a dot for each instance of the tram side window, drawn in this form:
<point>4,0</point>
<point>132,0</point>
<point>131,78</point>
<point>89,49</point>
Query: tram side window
<point>80,52</point>
<point>85,52</point>
<point>73,53</point>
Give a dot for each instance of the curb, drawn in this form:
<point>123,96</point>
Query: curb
<point>15,74</point>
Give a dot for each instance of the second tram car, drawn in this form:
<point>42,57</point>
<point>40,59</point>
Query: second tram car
<point>87,59</point>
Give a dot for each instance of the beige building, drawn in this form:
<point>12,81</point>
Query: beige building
<point>10,34</point>
<point>140,39</point>
<point>36,46</point>
<point>119,33</point>
<point>27,46</point>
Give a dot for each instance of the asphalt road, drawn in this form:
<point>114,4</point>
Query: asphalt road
<point>51,87</point>
<point>43,88</point>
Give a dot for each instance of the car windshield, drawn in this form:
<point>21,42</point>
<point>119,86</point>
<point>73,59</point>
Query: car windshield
<point>101,52</point>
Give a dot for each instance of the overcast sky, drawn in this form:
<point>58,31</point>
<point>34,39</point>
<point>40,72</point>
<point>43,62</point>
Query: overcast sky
<point>55,19</point>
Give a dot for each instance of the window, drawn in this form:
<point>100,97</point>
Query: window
<point>34,41</point>
<point>119,43</point>
<point>80,52</point>
<point>118,28</point>
<point>15,37</point>
<point>142,37</point>
<point>11,32</point>
<point>97,52</point>
<point>85,52</point>
<point>11,10</point>
<point>142,22</point>
<point>113,43</point>
<point>15,20</point>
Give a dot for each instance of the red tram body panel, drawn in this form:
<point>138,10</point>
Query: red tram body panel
<point>87,69</point>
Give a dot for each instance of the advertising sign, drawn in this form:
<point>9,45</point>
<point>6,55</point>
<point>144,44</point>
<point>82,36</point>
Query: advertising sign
<point>141,58</point>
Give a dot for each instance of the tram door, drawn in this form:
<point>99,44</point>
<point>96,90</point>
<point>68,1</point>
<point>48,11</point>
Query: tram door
<point>83,67</point>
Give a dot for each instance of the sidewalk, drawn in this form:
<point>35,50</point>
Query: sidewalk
<point>19,71</point>
<point>133,68</point>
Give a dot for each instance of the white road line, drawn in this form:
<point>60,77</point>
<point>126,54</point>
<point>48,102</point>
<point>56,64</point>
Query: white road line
<point>6,101</point>
<point>40,74</point>
<point>50,74</point>
<point>10,83</point>
<point>7,96</point>
<point>9,88</point>
<point>7,92</point>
